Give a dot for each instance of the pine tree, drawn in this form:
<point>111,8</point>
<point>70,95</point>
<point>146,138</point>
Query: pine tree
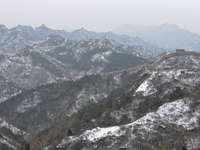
<point>69,132</point>
<point>183,148</point>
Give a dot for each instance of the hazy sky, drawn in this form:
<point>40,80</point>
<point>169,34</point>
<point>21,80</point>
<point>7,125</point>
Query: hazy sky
<point>100,15</point>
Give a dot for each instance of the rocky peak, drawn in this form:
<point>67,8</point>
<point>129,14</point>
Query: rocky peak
<point>22,28</point>
<point>3,27</point>
<point>167,25</point>
<point>80,30</point>
<point>42,27</point>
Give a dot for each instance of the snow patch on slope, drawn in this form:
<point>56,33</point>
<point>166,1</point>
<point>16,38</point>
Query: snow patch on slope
<point>169,79</point>
<point>177,114</point>
<point>146,88</point>
<point>101,56</point>
<point>100,133</point>
<point>13,129</point>
<point>29,103</point>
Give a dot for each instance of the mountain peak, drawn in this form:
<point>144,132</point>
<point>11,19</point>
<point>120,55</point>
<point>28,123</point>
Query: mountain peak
<point>80,30</point>
<point>3,27</point>
<point>42,27</point>
<point>169,25</point>
<point>20,27</point>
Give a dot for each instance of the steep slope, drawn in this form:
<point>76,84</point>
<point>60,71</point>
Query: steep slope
<point>2,29</point>
<point>68,59</point>
<point>171,126</point>
<point>24,75</point>
<point>27,31</point>
<point>54,58</point>
<point>11,136</point>
<point>44,106</point>
<point>120,100</point>
<point>7,89</point>
<point>12,42</point>
<point>166,36</point>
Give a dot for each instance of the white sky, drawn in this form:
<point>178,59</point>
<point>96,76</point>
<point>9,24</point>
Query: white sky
<point>100,15</point>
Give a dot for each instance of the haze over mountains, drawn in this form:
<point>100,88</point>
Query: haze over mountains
<point>14,39</point>
<point>166,35</point>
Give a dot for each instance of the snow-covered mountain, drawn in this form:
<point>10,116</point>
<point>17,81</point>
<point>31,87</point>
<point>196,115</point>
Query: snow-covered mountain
<point>172,126</point>
<point>7,89</point>
<point>159,109</point>
<point>166,35</point>
<point>56,58</point>
<point>67,59</point>
<point>44,106</point>
<point>163,112</point>
<point>134,44</point>
<point>14,39</point>
<point>24,75</point>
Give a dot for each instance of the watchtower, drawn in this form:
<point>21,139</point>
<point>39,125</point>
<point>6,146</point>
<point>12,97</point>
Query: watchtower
<point>180,50</point>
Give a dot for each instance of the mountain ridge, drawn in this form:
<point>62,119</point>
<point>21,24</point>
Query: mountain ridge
<point>166,35</point>
<point>170,81</point>
<point>163,89</point>
<point>30,36</point>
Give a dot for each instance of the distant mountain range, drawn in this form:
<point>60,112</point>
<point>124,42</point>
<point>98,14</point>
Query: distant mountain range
<point>14,39</point>
<point>166,35</point>
<point>87,90</point>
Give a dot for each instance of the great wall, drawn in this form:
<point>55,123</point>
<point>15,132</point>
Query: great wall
<point>150,67</point>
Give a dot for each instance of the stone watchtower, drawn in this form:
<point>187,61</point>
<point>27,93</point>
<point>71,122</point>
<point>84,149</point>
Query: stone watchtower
<point>180,50</point>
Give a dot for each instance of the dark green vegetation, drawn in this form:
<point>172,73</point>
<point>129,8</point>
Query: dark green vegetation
<point>177,93</point>
<point>24,146</point>
<point>57,98</point>
<point>101,112</point>
<point>81,121</point>
<point>84,64</point>
<point>116,61</point>
<point>123,61</point>
<point>72,58</point>
<point>4,147</point>
<point>152,103</point>
<point>183,148</point>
